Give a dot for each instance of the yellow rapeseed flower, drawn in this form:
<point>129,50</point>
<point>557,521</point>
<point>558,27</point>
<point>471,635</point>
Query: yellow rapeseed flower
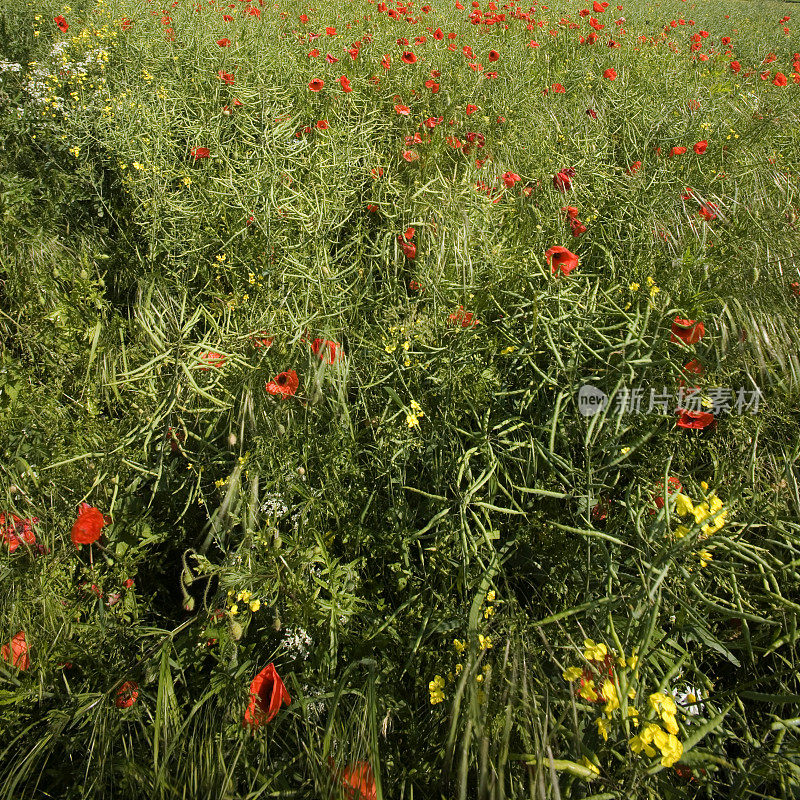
<point>593,651</point>
<point>572,674</point>
<point>436,688</point>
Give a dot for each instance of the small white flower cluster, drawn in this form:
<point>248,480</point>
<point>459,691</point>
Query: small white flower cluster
<point>9,66</point>
<point>40,85</point>
<point>274,507</point>
<point>297,643</point>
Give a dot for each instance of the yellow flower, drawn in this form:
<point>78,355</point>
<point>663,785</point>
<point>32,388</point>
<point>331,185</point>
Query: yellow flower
<point>255,605</point>
<point>485,642</point>
<point>459,669</point>
<point>587,691</point>
<point>234,610</point>
<point>412,420</point>
<point>490,596</point>
<point>572,674</point>
<point>634,287</point>
<point>602,727</point>
<point>187,181</point>
<point>643,740</point>
<point>609,692</point>
<point>681,531</point>
<point>664,706</point>
<point>669,745</point>
<point>705,557</point>
<point>594,652</point>
<point>415,406</point>
<point>459,645</point>
<point>683,505</point>
<point>221,258</point>
<point>436,688</point>
<point>488,611</point>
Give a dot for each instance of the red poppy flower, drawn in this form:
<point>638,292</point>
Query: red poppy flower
<point>345,83</point>
<point>795,287</point>
<point>223,42</point>
<point>577,226</point>
<point>212,359</point>
<point>687,331</point>
<point>200,152</point>
<point>673,485</point>
<point>708,211</point>
<point>402,110</point>
<point>408,248</point>
<point>323,125</point>
<point>16,531</point>
<point>175,439</point>
<point>471,109</point>
<point>694,420</point>
<point>386,62</point>
<point>316,84</point>
<point>267,694</point>
<point>414,286</point>
<point>561,260</point>
<point>700,147</point>
<point>313,53</point>
<point>563,180</point>
<point>125,24</point>
<point>283,385</point>
<point>330,31</point>
<point>63,25</point>
<point>494,55</point>
<point>408,57</point>
<point>304,18</point>
<point>592,113</point>
<point>88,526</point>
<point>735,66</point>
<point>331,59</point>
<point>16,652</point>
<point>438,35</point>
<point>320,346</point>
<point>694,367</point>
<point>510,178</point>
<point>226,77</point>
<point>432,85</point>
<point>610,74</point>
<point>466,319</point>
<point>127,694</point>
<point>359,781</point>
<point>780,79</point>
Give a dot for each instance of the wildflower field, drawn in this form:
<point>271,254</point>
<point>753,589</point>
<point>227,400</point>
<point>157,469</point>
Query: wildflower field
<point>399,400</point>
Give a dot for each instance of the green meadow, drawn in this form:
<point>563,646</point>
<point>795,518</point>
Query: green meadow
<point>399,400</point>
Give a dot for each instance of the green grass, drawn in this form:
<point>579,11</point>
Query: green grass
<point>432,502</point>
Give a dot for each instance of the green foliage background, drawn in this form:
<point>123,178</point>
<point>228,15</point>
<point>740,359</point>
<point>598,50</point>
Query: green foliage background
<point>371,543</point>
